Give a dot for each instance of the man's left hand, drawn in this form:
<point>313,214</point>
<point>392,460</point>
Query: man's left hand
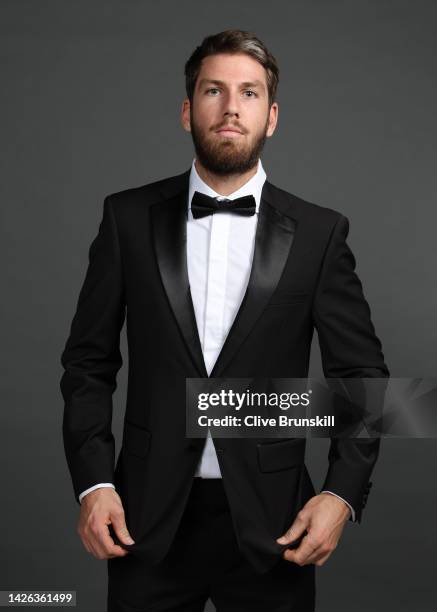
<point>323,517</point>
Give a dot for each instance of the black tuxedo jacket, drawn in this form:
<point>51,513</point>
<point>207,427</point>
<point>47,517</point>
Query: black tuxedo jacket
<point>302,278</point>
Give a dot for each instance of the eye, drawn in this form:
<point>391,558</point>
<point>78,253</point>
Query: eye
<point>254,94</point>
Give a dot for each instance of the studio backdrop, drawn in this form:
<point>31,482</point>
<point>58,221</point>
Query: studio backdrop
<point>91,98</point>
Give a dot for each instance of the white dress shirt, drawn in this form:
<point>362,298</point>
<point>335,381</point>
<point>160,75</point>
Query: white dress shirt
<point>220,252</point>
<point>219,259</point>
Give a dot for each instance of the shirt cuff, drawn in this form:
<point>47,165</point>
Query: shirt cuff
<point>347,504</point>
<point>97,486</point>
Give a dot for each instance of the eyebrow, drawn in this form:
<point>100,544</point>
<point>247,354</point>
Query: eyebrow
<point>255,83</point>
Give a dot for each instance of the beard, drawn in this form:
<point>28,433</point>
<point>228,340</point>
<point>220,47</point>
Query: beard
<point>226,156</point>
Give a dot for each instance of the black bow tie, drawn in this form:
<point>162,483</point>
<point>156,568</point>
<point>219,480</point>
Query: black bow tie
<point>203,205</point>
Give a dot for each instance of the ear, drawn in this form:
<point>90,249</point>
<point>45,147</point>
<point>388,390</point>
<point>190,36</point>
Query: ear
<point>185,115</point>
<point>273,119</point>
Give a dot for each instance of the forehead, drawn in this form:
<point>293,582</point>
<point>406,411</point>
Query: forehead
<point>232,68</point>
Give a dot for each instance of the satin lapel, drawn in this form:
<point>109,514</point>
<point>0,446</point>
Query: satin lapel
<point>169,223</point>
<point>273,239</point>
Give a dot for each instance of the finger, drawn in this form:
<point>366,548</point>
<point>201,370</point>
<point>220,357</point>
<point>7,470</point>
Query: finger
<point>121,554</point>
<point>304,553</point>
<point>100,546</point>
<point>101,552</point>
<point>120,528</point>
<point>107,546</point>
<point>86,546</point>
<point>310,558</point>
<point>93,550</point>
<point>84,540</point>
<point>295,531</point>
<point>321,560</point>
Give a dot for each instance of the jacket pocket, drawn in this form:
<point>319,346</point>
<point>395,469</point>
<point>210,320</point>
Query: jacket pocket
<point>276,456</point>
<point>136,439</point>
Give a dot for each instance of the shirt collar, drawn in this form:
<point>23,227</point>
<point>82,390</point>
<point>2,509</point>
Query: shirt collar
<point>253,186</point>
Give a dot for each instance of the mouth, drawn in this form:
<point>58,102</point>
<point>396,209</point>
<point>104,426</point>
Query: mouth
<point>229,132</point>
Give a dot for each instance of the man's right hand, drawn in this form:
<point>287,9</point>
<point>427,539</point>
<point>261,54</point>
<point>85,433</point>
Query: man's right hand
<point>100,508</point>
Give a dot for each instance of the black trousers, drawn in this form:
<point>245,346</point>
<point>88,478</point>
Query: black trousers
<point>204,562</point>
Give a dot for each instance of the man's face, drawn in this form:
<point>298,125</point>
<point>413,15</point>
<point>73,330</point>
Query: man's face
<point>231,92</point>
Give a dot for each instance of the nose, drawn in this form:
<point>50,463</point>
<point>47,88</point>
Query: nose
<point>231,105</point>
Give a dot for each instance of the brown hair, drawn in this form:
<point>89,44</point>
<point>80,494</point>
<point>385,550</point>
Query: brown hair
<point>232,41</point>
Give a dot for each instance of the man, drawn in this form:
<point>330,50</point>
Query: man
<point>221,274</point>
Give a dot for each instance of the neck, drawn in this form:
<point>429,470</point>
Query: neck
<point>224,185</point>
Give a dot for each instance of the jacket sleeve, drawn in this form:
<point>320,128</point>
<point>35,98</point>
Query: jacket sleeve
<point>91,359</point>
<point>349,348</point>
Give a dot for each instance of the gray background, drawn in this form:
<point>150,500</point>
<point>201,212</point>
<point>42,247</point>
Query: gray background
<point>90,105</point>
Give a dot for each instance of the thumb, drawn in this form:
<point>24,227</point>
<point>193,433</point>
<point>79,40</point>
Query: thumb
<point>119,525</point>
<point>295,531</point>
